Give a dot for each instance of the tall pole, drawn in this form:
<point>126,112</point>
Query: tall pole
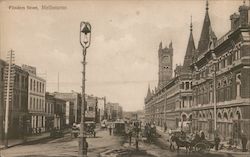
<point>8,101</point>
<point>83,142</point>
<point>58,82</point>
<point>85,37</point>
<point>215,115</point>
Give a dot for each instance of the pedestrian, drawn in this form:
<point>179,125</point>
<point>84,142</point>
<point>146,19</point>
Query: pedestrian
<point>217,141</point>
<point>110,130</point>
<point>130,136</point>
<point>165,127</point>
<point>202,136</point>
<point>244,142</point>
<point>171,142</point>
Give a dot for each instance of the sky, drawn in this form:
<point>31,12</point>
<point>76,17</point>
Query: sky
<point>122,59</point>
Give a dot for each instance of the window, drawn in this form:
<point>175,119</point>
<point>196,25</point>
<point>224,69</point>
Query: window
<point>37,107</point>
<point>34,104</point>
<point>238,85</point>
<point>187,85</point>
<point>91,109</point>
<point>37,86</point>
<point>34,85</point>
<point>43,87</point>
<point>30,107</point>
<point>229,60</point>
<point>182,85</point>
<point>40,89</point>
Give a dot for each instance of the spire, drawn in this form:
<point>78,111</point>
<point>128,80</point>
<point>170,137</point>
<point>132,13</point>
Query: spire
<point>207,5</point>
<point>190,50</point>
<point>171,45</point>
<point>149,91</point>
<point>191,25</point>
<point>205,33</point>
<point>160,46</point>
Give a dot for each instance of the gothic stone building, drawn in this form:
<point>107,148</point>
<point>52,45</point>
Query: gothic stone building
<point>169,104</point>
<point>218,75</point>
<point>221,71</point>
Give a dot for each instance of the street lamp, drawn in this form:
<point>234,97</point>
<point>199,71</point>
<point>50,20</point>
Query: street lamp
<point>85,36</point>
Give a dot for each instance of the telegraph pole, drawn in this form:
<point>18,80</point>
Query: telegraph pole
<point>8,99</point>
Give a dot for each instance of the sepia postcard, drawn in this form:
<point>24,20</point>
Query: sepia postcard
<point>124,78</point>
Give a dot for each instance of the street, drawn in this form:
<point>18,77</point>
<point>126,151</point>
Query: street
<point>103,145</point>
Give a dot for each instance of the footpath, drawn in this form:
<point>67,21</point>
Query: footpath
<point>15,142</point>
<point>237,152</point>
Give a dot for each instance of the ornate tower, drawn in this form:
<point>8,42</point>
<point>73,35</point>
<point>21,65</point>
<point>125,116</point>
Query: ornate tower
<point>165,64</point>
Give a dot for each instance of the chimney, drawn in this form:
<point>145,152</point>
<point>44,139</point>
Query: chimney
<point>234,21</point>
<point>244,15</point>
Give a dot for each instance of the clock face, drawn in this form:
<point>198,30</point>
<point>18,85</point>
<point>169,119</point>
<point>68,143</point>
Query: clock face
<point>166,60</point>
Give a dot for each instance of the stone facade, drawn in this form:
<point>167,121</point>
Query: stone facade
<point>216,73</point>
<point>221,77</point>
<point>165,64</point>
<point>169,104</point>
<point>36,101</point>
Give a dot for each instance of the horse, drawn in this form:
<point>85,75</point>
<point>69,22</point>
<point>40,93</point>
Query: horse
<point>181,143</point>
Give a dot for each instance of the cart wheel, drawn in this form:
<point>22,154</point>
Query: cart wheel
<point>201,148</point>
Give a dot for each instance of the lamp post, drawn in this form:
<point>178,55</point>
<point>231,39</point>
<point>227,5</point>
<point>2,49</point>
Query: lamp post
<point>214,89</point>
<point>85,37</point>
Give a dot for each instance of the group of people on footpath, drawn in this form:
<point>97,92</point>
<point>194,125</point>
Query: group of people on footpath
<point>201,137</point>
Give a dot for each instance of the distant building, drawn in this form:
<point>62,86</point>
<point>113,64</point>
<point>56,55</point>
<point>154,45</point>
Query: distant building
<point>74,98</point>
<point>36,100</point>
<point>2,66</point>
<point>114,111</point>
<point>101,103</point>
<point>69,113</point>
<point>91,112</point>
<point>56,112</point>
<point>50,102</point>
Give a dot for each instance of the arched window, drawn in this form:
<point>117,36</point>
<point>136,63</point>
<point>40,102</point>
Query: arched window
<point>184,117</point>
<point>238,115</point>
<point>238,85</point>
<point>219,116</point>
<point>225,117</point>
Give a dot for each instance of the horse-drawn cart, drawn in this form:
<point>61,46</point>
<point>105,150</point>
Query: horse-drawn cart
<point>195,144</point>
<point>203,146</point>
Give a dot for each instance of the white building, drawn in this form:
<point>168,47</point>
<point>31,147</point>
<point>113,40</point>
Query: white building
<point>36,100</point>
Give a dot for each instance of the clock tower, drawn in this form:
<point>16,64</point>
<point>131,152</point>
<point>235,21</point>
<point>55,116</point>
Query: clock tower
<point>165,64</point>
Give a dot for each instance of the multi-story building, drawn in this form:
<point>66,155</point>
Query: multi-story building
<point>74,98</point>
<point>91,112</point>
<point>213,93</point>
<point>50,102</point>
<point>69,113</point>
<point>221,86</point>
<point>114,111</point>
<point>18,100</point>
<point>169,104</point>
<point>36,100</point>
<point>55,111</point>
<point>101,103</point>
<point>2,65</point>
